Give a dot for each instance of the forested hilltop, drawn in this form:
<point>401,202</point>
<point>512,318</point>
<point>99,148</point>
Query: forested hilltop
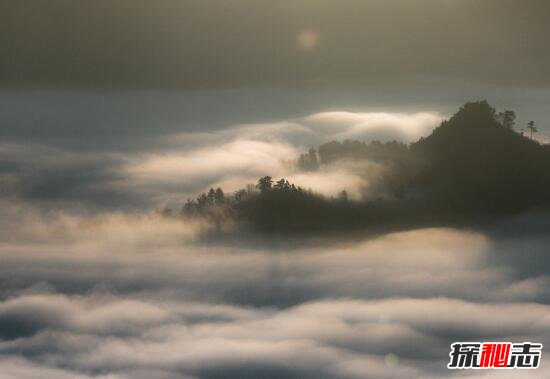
<point>474,164</point>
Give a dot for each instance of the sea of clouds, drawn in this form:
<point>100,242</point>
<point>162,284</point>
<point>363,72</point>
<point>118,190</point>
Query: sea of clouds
<point>123,295</point>
<point>95,284</point>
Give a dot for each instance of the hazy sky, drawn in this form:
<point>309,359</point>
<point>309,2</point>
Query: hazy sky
<point>234,43</point>
<point>116,85</point>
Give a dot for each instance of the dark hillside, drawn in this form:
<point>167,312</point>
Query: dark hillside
<point>476,163</point>
<point>472,169</point>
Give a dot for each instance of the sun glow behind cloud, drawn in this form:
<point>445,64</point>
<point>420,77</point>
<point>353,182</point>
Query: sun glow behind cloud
<point>308,39</point>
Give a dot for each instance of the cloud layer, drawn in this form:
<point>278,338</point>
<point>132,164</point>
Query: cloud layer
<point>90,289</point>
<point>179,165</point>
<point>121,296</point>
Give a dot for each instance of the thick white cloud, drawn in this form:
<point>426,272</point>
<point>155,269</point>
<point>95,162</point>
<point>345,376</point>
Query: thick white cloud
<point>121,296</point>
<point>178,166</point>
<point>328,338</point>
<point>323,127</point>
<point>236,156</point>
<point>117,295</point>
<point>381,126</point>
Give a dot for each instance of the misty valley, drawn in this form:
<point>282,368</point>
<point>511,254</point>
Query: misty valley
<point>449,178</point>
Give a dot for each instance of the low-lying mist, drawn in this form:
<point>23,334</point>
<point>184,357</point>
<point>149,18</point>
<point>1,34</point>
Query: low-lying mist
<point>96,281</point>
<point>175,166</point>
<point>121,295</point>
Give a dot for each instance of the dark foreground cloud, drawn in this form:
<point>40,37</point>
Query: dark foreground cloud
<point>198,44</point>
<point>129,296</point>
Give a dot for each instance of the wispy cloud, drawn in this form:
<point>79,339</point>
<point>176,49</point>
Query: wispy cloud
<point>181,165</point>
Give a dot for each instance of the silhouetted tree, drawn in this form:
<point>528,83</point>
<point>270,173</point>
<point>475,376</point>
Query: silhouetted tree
<point>282,185</point>
<point>507,119</point>
<point>240,195</point>
<point>353,150</point>
<point>265,184</point>
<point>532,128</point>
<point>211,196</point>
<point>219,197</point>
<point>308,161</point>
<point>202,201</point>
<point>190,207</point>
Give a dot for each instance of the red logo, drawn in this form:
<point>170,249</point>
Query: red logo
<point>495,355</point>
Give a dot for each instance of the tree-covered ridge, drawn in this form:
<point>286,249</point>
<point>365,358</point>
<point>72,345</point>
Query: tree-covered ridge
<point>334,151</point>
<point>477,162</point>
<point>278,206</point>
<point>472,164</point>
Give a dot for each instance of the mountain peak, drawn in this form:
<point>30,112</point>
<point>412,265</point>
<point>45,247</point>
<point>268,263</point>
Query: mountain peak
<point>474,129</point>
<point>475,157</point>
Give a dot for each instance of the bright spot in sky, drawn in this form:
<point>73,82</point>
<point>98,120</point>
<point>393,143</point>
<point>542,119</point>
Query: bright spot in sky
<point>391,360</point>
<point>307,39</point>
